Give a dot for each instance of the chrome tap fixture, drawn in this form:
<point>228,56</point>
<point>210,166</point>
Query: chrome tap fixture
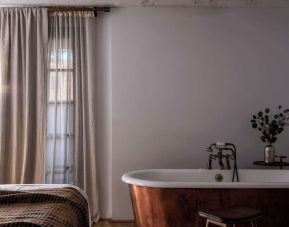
<point>220,151</point>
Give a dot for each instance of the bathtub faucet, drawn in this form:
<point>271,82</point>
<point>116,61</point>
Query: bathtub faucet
<point>219,156</point>
<point>220,151</point>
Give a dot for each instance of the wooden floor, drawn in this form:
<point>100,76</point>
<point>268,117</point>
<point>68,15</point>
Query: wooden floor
<point>113,224</point>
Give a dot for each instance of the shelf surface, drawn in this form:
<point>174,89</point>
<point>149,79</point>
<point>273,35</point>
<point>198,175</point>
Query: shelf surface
<point>262,163</point>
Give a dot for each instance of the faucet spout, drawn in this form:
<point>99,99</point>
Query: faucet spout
<point>220,161</point>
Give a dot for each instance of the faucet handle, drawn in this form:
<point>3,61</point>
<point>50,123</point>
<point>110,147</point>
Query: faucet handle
<point>220,144</point>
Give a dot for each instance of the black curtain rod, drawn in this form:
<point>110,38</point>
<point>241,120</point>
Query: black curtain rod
<point>53,9</point>
<point>77,8</point>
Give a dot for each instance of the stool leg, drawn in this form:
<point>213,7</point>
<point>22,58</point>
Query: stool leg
<point>215,223</point>
<point>254,224</point>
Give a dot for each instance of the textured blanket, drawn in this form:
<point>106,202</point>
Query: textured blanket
<point>43,207</point>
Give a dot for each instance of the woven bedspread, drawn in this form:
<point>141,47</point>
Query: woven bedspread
<point>43,207</point>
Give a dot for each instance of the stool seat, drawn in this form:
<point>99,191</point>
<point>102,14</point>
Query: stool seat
<point>233,215</point>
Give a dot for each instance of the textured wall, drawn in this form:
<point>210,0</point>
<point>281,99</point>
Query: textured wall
<point>183,78</point>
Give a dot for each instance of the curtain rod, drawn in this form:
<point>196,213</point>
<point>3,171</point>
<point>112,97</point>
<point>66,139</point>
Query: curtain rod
<point>53,9</point>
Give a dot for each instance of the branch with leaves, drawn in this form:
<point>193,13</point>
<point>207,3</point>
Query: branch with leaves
<point>270,124</point>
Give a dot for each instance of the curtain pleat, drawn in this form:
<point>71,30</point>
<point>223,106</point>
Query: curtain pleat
<point>71,103</point>
<point>23,42</point>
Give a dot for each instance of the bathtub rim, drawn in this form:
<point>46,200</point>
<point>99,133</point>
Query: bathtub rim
<point>130,179</point>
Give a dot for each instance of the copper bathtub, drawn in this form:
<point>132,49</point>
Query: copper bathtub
<point>172,198</point>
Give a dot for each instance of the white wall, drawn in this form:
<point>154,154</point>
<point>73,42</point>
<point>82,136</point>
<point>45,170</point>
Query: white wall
<point>183,78</point>
<point>103,110</point>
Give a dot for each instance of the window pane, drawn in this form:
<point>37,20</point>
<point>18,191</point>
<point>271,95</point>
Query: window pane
<point>60,107</point>
<point>60,86</point>
<point>63,159</point>
<point>62,154</point>
<point>63,115</point>
<point>61,59</point>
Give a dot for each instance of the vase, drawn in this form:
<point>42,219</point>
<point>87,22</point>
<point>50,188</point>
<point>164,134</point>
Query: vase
<point>269,154</point>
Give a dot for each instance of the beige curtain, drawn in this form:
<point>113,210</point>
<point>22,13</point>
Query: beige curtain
<point>71,150</point>
<point>23,38</point>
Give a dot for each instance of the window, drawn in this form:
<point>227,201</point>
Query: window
<point>60,105</point>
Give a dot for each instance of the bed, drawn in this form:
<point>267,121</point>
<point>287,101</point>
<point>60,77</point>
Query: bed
<point>43,205</point>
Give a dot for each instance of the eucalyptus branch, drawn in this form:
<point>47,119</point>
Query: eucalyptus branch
<point>270,125</point>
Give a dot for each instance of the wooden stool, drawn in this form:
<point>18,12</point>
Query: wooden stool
<point>232,216</point>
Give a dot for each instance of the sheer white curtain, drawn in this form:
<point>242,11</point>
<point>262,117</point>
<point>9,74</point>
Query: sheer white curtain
<point>23,42</point>
<point>71,150</point>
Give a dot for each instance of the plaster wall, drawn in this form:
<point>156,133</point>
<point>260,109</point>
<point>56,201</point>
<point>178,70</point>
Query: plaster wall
<point>183,78</point>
